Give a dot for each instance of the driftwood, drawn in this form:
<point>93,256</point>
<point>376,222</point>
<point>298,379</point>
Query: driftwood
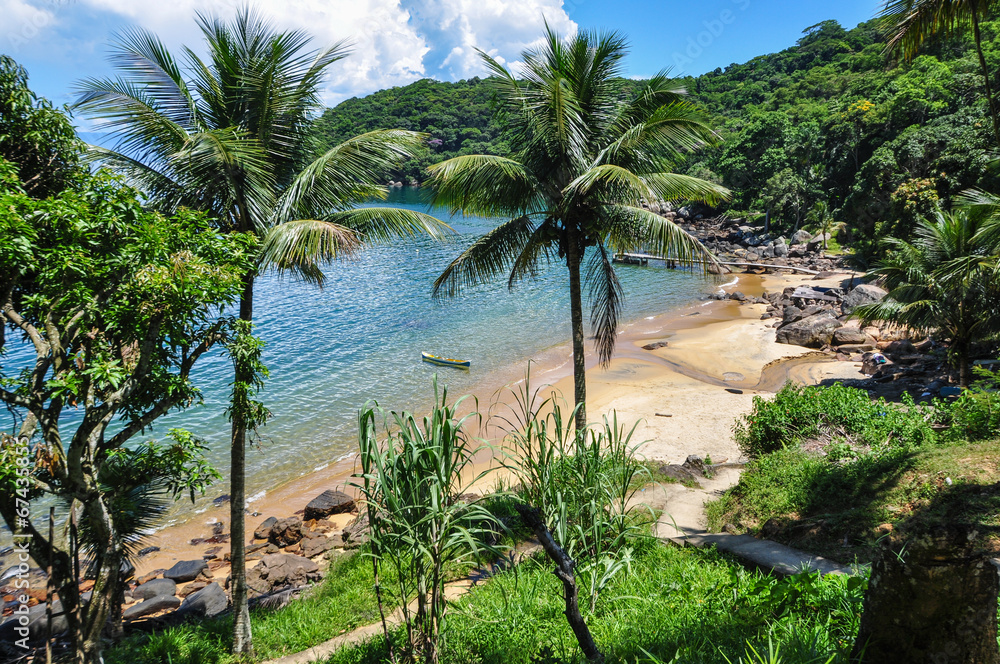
<point>564,572</point>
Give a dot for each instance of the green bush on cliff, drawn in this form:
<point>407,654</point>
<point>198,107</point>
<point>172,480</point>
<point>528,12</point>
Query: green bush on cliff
<point>843,414</point>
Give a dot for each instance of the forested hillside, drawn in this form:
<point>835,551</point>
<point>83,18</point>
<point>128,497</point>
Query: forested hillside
<point>830,126</point>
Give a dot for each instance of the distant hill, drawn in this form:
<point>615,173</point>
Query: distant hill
<point>829,119</point>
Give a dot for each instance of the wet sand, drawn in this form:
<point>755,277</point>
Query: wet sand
<point>711,347</point>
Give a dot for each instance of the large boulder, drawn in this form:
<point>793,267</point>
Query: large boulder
<point>780,248</point>
<point>314,544</point>
<point>327,503</point>
<point>186,570</point>
<point>37,624</point>
<point>154,604</point>
<point>816,243</point>
<point>278,570</point>
<point>812,332</point>
<point>207,602</point>
<point>863,294</point>
<point>848,335</point>
<point>155,588</point>
<point>801,236</point>
<point>263,531</point>
<point>285,532</point>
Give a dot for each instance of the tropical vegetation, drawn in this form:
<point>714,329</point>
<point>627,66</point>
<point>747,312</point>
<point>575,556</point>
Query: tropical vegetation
<point>118,304</point>
<point>231,136</point>
<point>585,163</point>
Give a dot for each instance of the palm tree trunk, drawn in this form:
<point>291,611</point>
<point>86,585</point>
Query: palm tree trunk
<point>242,637</point>
<point>986,75</point>
<point>573,259</point>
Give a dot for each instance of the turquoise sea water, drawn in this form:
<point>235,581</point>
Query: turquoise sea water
<point>360,338</point>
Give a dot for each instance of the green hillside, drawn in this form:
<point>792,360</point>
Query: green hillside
<point>829,120</point>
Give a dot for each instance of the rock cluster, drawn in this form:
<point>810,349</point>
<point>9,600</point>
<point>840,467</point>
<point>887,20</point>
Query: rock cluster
<point>732,240</point>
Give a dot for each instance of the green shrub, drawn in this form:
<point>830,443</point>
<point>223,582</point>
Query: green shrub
<point>975,415</point>
<point>798,413</point>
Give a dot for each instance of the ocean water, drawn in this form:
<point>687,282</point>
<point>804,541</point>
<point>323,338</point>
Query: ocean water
<point>360,337</point>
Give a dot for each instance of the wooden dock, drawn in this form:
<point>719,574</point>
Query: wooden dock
<point>643,259</point>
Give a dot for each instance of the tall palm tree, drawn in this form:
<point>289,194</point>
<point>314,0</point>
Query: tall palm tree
<point>230,134</point>
<point>910,23</point>
<point>945,280</point>
<point>585,160</point>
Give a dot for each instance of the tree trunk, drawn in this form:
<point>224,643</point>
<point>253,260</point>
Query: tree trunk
<point>573,259</point>
<point>931,599</point>
<point>242,636</point>
<point>986,75</point>
<point>564,572</point>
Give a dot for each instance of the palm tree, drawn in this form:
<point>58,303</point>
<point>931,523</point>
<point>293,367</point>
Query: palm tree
<point>822,219</point>
<point>230,135</point>
<point>584,162</point>
<point>911,22</point>
<point>945,280</point>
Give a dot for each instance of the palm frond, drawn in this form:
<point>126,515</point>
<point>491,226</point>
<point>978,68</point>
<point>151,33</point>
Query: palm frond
<point>487,258</point>
<point>657,235</point>
<point>483,184</point>
<point>300,247</point>
<point>674,186</point>
<point>373,225</point>
<point>607,299</point>
<point>345,175</point>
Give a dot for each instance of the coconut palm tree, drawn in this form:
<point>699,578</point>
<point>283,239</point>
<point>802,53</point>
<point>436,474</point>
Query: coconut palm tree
<point>945,280</point>
<point>230,135</point>
<point>584,161</point>
<point>909,23</point>
<point>822,219</point>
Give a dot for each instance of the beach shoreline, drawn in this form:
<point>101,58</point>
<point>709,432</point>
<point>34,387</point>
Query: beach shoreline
<point>683,398</point>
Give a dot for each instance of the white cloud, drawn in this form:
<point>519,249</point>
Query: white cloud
<point>394,42</point>
<point>23,22</point>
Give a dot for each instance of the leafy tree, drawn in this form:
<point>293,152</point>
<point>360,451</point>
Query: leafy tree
<point>231,136</point>
<point>119,304</point>
<point>37,137</point>
<point>911,22</point>
<point>945,280</point>
<point>821,217</point>
<point>585,160</point>
<point>784,193</point>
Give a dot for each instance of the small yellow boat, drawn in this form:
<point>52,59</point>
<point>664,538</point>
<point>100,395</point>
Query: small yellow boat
<point>445,361</point>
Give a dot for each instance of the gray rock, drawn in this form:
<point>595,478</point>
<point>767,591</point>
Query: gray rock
<point>278,570</point>
<point>862,294</point>
<point>207,602</point>
<point>186,570</point>
<point>327,503</point>
<point>286,532</point>
<point>155,588</point>
<point>801,236</point>
<point>738,295</point>
<point>37,624</point>
<point>356,532</point>
<point>848,335</point>
<point>315,545</point>
<point>263,531</point>
<point>816,243</point>
<point>780,248</point>
<point>767,252</point>
<point>150,606</point>
<point>812,332</point>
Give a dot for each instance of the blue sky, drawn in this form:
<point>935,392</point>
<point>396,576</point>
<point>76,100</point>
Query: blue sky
<point>399,41</point>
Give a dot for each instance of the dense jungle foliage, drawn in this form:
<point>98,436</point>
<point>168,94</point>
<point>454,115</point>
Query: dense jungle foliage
<point>832,120</point>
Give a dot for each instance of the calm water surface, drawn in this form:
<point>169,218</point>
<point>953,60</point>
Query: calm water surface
<point>360,337</point>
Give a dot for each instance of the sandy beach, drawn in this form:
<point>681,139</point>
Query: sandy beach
<point>685,397</point>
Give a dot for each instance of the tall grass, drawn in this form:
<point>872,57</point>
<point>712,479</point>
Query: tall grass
<point>420,529</point>
<point>583,483</point>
